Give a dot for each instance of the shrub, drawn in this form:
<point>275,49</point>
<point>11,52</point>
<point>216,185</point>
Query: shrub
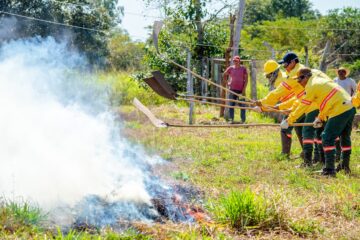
<point>123,89</point>
<point>245,209</point>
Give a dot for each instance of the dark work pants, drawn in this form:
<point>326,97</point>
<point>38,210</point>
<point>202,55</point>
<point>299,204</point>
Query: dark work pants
<point>231,110</point>
<point>340,125</point>
<point>309,136</point>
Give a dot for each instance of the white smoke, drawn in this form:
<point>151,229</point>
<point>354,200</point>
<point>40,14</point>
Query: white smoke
<point>58,141</point>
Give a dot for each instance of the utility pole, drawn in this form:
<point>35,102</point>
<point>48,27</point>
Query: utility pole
<point>239,24</point>
<point>190,86</point>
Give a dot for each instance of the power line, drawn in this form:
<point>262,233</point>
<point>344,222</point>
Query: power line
<point>52,22</point>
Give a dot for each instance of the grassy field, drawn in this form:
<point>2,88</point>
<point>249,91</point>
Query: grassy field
<point>250,190</point>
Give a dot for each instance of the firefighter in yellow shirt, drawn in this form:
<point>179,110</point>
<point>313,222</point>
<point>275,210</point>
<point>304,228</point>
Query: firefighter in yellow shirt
<point>336,108</point>
<point>287,89</point>
<point>356,98</point>
<point>311,136</point>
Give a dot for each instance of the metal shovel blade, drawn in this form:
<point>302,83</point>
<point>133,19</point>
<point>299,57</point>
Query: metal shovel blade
<point>156,30</point>
<point>158,83</point>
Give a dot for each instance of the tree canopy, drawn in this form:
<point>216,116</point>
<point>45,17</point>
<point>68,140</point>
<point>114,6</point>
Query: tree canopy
<point>94,20</point>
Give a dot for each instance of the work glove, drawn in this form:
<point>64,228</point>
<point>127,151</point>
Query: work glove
<point>347,102</point>
<point>317,123</point>
<point>284,124</point>
<point>258,103</point>
<point>257,109</point>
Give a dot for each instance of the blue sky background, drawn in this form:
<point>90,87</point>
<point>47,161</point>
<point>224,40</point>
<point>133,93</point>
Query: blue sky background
<point>135,22</point>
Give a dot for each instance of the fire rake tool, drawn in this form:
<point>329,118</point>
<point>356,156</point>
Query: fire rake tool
<point>161,124</point>
<point>156,30</point>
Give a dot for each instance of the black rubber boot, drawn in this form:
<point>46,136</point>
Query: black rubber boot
<point>328,172</point>
<point>285,144</point>
<point>344,164</point>
<point>307,160</point>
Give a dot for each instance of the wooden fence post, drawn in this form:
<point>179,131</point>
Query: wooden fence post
<point>190,86</point>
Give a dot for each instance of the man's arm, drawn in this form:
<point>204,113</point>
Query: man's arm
<point>226,76</point>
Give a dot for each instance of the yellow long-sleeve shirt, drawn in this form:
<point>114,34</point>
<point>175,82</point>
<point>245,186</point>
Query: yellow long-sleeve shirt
<point>296,111</point>
<point>331,99</point>
<point>287,89</point>
<point>356,100</point>
<point>298,90</point>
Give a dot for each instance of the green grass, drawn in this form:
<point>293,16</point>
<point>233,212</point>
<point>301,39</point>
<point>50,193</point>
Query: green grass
<point>220,161</point>
<point>245,209</point>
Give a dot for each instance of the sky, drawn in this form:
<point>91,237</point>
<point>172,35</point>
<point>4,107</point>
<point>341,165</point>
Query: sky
<point>137,16</point>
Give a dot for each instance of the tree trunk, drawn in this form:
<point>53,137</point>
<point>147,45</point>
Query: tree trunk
<point>227,60</point>
<point>323,63</point>
<point>199,49</point>
<point>239,23</point>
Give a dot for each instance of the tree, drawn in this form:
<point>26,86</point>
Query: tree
<point>257,10</point>
<point>100,15</point>
<point>124,53</point>
<point>189,25</point>
<point>293,8</point>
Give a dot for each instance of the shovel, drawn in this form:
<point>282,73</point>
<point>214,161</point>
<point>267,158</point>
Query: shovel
<point>161,124</point>
<point>156,30</point>
<point>158,83</point>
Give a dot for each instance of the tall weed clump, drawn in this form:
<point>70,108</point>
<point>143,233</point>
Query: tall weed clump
<point>15,216</point>
<point>246,210</point>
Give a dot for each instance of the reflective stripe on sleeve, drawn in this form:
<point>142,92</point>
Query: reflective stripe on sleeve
<point>285,85</point>
<point>306,102</point>
<point>284,99</point>
<point>301,94</point>
<point>328,97</point>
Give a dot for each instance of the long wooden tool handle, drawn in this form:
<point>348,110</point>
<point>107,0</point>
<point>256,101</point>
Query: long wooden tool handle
<point>225,125</point>
<point>302,125</point>
<point>210,82</point>
<point>235,125</point>
<point>161,124</point>
<point>218,99</point>
<point>221,87</point>
<point>217,104</point>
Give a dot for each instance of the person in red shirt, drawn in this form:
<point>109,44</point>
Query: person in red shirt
<point>237,83</point>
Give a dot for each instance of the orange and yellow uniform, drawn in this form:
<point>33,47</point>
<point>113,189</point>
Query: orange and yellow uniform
<point>356,98</point>
<point>296,111</point>
<point>326,94</point>
<point>286,89</point>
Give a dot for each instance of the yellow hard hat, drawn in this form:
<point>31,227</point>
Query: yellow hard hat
<point>270,66</point>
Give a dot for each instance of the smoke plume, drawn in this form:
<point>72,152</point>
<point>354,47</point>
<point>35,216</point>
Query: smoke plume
<point>59,143</point>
